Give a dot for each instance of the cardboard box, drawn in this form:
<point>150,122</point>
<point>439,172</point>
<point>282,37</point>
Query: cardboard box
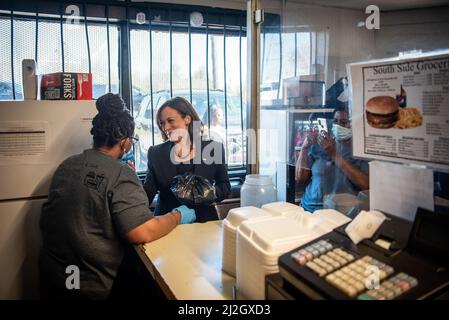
<point>66,86</point>
<point>304,93</point>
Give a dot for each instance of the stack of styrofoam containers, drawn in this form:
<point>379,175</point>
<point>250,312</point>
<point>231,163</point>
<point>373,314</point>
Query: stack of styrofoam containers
<point>261,242</point>
<point>330,219</point>
<point>324,220</point>
<point>237,215</point>
<point>281,208</point>
<point>289,210</point>
<point>259,245</point>
<point>230,224</point>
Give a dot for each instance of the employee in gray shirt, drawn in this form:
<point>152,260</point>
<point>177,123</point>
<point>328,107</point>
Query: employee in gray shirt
<point>96,207</point>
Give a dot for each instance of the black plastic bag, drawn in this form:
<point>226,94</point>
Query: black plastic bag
<point>192,189</point>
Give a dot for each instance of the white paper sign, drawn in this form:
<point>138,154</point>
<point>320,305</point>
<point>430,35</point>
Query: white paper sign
<point>23,142</point>
<point>400,109</point>
<point>399,190</point>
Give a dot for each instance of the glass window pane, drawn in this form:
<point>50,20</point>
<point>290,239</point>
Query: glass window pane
<point>181,84</point>
<point>288,55</point>
<point>24,48</point>
<point>99,58</point>
<point>234,141</point>
<point>140,67</point>
<point>75,48</point>
<point>140,61</point>
<point>140,73</point>
<point>5,62</point>
<point>49,58</point>
<point>303,53</point>
<point>161,61</point>
<point>215,56</point>
<point>270,65</point>
<point>198,61</point>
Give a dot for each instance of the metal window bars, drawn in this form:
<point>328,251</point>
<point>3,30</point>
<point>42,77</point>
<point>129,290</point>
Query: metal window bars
<point>55,12</point>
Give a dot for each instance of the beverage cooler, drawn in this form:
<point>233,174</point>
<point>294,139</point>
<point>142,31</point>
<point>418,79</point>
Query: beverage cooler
<point>280,144</point>
<point>299,123</point>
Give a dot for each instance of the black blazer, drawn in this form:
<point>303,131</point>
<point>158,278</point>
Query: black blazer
<point>161,171</point>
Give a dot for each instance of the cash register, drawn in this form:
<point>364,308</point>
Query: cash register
<point>402,261</point>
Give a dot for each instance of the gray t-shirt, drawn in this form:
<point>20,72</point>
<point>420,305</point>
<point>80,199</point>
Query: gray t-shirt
<point>94,201</point>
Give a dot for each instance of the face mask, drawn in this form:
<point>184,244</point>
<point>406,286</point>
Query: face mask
<point>341,133</point>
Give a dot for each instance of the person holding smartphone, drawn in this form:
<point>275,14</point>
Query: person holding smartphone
<point>326,164</point>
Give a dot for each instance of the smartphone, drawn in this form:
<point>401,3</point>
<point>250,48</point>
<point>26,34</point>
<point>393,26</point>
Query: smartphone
<point>322,125</point>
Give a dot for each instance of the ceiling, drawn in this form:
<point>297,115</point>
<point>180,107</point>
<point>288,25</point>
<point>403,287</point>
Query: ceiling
<point>384,5</point>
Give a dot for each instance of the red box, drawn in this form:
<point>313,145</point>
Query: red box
<point>66,86</point>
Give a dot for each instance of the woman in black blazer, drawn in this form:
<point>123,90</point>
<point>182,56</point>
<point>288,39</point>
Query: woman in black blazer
<point>181,129</point>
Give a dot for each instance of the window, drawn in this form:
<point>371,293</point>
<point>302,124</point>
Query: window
<point>44,45</point>
<point>148,131</point>
<point>289,51</point>
<point>294,52</point>
<point>147,63</point>
<point>203,65</point>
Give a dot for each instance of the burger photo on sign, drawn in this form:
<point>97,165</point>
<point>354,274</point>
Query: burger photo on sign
<point>382,112</point>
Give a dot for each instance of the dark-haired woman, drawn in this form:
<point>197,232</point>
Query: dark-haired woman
<point>96,206</point>
<point>184,151</point>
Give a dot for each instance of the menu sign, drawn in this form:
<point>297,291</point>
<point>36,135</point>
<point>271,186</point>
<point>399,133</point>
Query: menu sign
<point>400,109</point>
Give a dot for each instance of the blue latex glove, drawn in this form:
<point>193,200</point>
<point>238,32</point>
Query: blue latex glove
<point>187,214</point>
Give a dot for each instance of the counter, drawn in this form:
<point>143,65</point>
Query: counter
<point>186,263</point>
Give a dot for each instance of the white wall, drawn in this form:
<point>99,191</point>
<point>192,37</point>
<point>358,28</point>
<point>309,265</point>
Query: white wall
<point>347,42</point>
<point>425,29</point>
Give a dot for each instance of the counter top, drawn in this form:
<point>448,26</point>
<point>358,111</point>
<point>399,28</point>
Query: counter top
<point>186,263</point>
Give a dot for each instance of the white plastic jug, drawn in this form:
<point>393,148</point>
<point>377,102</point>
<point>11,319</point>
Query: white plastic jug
<point>257,191</point>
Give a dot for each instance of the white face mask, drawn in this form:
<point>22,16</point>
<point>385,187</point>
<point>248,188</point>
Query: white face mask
<point>341,133</point>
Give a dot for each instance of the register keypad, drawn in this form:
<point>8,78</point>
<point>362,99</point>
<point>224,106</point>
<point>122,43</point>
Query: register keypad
<point>390,288</point>
<point>353,275</point>
<point>322,257</point>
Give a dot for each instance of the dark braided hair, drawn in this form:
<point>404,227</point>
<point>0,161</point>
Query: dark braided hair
<point>113,121</point>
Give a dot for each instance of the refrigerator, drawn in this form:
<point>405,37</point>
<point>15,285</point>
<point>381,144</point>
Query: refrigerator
<point>35,137</point>
<point>279,148</point>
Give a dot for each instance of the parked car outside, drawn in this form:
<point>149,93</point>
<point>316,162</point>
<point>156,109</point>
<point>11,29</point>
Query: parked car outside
<point>144,124</point>
<point>6,91</point>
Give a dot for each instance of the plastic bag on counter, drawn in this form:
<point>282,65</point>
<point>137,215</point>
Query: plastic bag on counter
<point>192,189</point>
